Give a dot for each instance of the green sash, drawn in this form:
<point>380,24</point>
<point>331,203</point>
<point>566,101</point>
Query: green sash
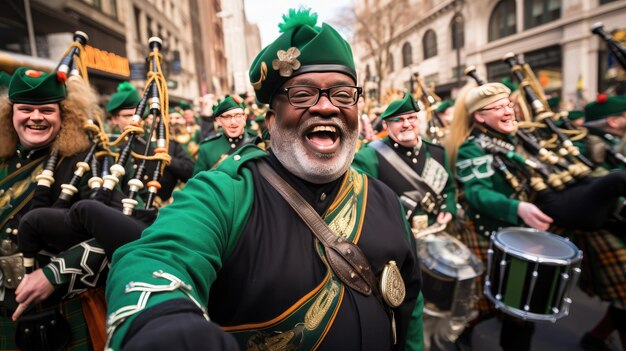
<point>304,325</point>
<point>17,188</point>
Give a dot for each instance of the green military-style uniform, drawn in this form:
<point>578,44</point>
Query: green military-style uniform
<point>238,226</point>
<point>216,148</point>
<point>492,200</point>
<point>427,162</point>
<point>71,271</point>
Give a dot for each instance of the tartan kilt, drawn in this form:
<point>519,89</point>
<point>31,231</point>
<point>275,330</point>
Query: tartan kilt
<point>603,269</point>
<point>478,244</point>
<point>72,310</point>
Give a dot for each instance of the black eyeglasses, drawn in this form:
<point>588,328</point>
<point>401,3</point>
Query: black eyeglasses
<point>307,96</point>
<point>510,105</point>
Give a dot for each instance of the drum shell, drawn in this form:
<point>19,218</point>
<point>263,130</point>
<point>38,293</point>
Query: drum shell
<point>446,285</point>
<point>531,287</point>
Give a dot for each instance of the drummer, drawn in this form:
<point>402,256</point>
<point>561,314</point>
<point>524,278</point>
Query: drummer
<point>415,169</point>
<point>495,201</point>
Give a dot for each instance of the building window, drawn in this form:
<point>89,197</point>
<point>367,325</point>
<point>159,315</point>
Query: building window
<point>538,12</point>
<point>137,14</point>
<point>114,8</point>
<point>602,2</point>
<point>390,62</point>
<point>430,44</point>
<point>502,22</point>
<point>407,55</point>
<point>457,31</point>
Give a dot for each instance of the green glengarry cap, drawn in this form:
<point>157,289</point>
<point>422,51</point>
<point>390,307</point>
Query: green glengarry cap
<point>444,105</point>
<point>29,86</point>
<point>302,47</point>
<point>401,107</point>
<point>125,97</point>
<point>605,107</point>
<point>230,102</point>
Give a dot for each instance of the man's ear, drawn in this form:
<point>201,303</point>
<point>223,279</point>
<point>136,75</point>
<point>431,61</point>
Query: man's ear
<point>270,118</point>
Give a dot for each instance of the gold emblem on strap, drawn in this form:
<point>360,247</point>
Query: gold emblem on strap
<point>392,285</point>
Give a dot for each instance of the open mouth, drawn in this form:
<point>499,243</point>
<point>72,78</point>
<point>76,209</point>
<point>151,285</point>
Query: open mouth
<point>323,137</point>
<point>37,127</point>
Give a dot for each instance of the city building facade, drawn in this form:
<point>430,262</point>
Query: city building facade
<point>171,21</point>
<point>36,33</point>
<point>554,37</point>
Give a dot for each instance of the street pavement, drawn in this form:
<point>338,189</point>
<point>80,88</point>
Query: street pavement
<point>564,335</point>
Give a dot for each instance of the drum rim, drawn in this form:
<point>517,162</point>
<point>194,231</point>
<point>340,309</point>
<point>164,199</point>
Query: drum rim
<point>577,256</point>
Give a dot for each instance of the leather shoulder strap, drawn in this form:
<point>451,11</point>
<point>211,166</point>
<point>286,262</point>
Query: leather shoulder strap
<point>421,188</point>
<point>345,258</point>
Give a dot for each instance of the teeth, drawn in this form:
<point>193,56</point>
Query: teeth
<point>38,127</point>
<point>325,129</point>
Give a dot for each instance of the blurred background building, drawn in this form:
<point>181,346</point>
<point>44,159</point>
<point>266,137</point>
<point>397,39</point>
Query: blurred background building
<point>438,39</point>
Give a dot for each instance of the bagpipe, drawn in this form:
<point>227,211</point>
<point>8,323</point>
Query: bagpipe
<point>617,49</point>
<point>96,159</point>
<point>155,100</point>
<point>72,63</point>
<point>436,127</point>
<point>545,170</point>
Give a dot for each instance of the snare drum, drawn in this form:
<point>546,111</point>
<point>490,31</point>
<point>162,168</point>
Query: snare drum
<point>530,273</point>
<point>449,270</point>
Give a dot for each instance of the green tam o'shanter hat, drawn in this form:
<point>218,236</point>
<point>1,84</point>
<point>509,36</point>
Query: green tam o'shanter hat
<point>444,105</point>
<point>126,97</point>
<point>29,86</point>
<point>303,47</point>
<point>230,102</point>
<point>605,106</point>
<point>401,107</point>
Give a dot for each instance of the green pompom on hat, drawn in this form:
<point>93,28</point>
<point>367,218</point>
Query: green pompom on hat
<point>444,105</point>
<point>126,97</point>
<point>29,86</point>
<point>5,79</point>
<point>229,103</point>
<point>401,107</point>
<point>303,47</point>
<point>575,114</point>
<point>509,83</point>
<point>605,106</point>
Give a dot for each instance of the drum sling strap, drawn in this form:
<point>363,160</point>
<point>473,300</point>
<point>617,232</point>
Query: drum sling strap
<point>423,195</point>
<point>345,258</point>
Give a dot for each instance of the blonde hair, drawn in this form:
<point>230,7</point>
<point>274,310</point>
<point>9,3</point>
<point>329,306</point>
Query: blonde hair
<point>471,99</point>
<point>81,102</point>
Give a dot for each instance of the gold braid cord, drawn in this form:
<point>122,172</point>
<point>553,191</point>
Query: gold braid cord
<point>159,79</point>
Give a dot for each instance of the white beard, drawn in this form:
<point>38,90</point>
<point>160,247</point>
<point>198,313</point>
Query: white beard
<point>407,135</point>
<point>288,146</point>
